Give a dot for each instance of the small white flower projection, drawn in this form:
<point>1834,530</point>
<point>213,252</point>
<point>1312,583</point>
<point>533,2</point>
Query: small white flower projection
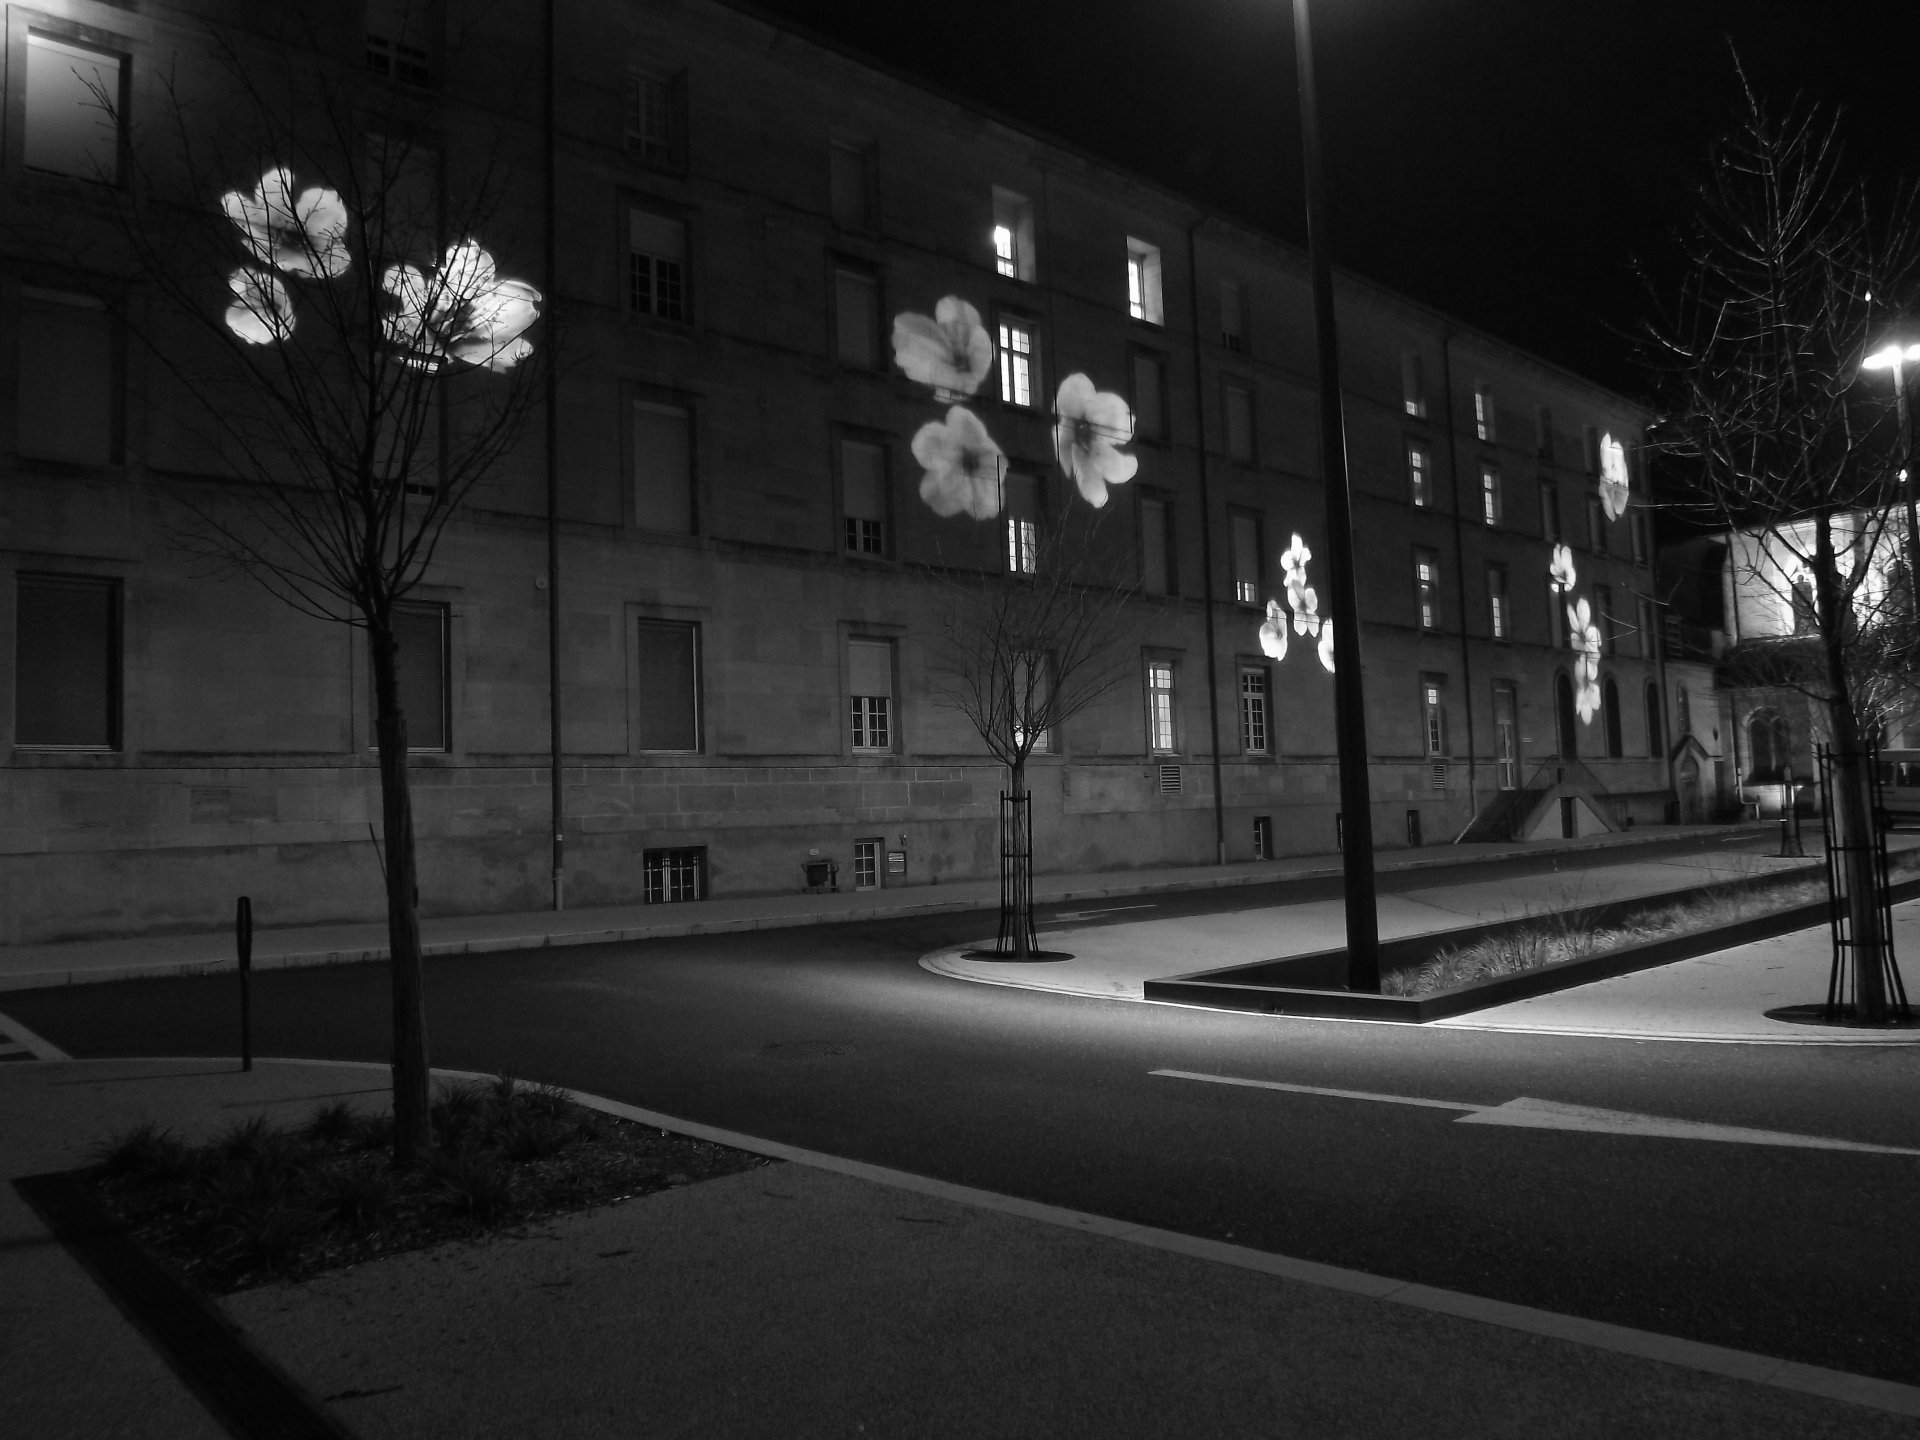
<point>1273,632</point>
<point>301,235</point>
<point>963,466</point>
<point>1613,477</point>
<point>1561,571</point>
<point>1089,425</point>
<point>1326,644</point>
<point>464,312</point>
<point>952,351</point>
<point>262,311</point>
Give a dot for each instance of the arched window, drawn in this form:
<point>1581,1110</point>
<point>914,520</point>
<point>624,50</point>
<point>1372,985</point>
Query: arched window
<point>1767,752</point>
<point>1655,713</point>
<point>1564,720</point>
<point>1610,712</point>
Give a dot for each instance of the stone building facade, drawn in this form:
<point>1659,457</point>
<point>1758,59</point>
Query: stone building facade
<point>748,617</point>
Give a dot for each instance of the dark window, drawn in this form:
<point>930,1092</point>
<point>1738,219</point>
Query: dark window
<point>673,875</point>
<point>1239,411</point>
<point>662,441</point>
<point>657,265</point>
<point>65,395</point>
<point>1246,557</point>
<point>421,631</point>
<point>657,120</point>
<point>67,662</point>
<point>851,180</point>
<point>1610,704</point>
<point>669,686</point>
<point>1654,716</point>
<point>856,311</point>
<point>1149,396</point>
<point>863,497</point>
<point>1157,573</point>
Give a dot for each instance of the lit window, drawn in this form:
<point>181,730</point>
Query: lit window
<point>66,690</point>
<point>1246,558</point>
<point>657,120</point>
<point>1020,504</point>
<point>1253,710</point>
<point>1497,601</point>
<point>1419,475</point>
<point>870,693</point>
<point>1239,408</point>
<point>1490,494</point>
<point>420,631</point>
<point>863,496</point>
<point>73,110</point>
<point>1149,396</point>
<point>856,313</point>
<point>1156,545</point>
<point>1233,316</point>
<point>1483,411</point>
<point>1160,734</point>
<point>668,677</point>
<point>1413,385</point>
<point>1012,234</point>
<point>1016,361</point>
<point>1433,716</point>
<point>662,450</point>
<point>1426,576</point>
<point>66,399</point>
<point>850,180</point>
<point>1143,282</point>
<point>656,265</point>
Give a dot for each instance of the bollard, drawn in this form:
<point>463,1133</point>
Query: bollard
<point>243,942</point>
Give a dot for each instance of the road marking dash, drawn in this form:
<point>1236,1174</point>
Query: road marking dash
<point>1317,1090</point>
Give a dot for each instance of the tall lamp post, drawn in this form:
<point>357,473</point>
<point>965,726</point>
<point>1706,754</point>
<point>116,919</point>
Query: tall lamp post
<point>1350,715</point>
<point>1896,358</point>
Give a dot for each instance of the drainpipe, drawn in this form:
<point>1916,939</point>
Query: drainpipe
<point>1206,543</point>
<point>1460,586</point>
<point>552,387</point>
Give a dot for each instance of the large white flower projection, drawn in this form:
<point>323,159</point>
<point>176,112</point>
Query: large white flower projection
<point>1561,572</point>
<point>1273,632</point>
<point>1089,426</point>
<point>301,235</point>
<point>963,466</point>
<point>464,311</point>
<point>952,351</point>
<point>1304,604</point>
<point>1613,477</point>
<point>262,311</point>
<point>1584,636</point>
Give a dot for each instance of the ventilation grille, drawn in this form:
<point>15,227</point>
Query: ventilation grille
<point>1169,779</point>
<point>1437,777</point>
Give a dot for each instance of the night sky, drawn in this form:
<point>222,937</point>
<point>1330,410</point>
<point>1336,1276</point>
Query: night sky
<point>1505,160</point>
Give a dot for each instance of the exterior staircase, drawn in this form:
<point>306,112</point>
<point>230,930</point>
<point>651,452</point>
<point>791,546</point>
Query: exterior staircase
<point>1561,798</point>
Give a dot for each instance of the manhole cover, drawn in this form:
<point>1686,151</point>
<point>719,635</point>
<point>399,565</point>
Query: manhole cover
<point>805,1049</point>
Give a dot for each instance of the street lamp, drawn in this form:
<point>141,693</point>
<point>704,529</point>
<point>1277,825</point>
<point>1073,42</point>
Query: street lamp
<point>1895,358</point>
<point>1350,715</point>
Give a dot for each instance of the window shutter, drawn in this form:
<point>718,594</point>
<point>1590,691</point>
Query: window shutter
<point>1153,546</point>
<point>67,673</point>
<point>669,713</point>
<point>422,635</point>
<point>862,480</point>
<point>65,378</point>
<point>662,468</point>
<point>856,307</point>
<point>1148,423</point>
<point>870,667</point>
<point>657,235</point>
<point>1246,559</point>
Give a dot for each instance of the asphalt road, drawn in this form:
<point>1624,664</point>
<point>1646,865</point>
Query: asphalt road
<point>834,1039</point>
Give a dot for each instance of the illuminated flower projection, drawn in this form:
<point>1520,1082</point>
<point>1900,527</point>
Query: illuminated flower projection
<point>1613,477</point>
<point>963,465</point>
<point>462,312</point>
<point>1326,644</point>
<point>952,352</point>
<point>1583,635</point>
<point>1273,632</point>
<point>1561,571</point>
<point>262,311</point>
<point>1300,595</point>
<point>1088,426</point>
<point>302,235</point>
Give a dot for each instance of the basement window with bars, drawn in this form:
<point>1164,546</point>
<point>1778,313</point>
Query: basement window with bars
<point>675,875</point>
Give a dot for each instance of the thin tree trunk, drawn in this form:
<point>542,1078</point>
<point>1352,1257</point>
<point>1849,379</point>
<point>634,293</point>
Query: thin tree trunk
<point>1022,851</point>
<point>412,1133</point>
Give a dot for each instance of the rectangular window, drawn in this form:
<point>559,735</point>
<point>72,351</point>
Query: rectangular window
<point>1497,616</point>
<point>1156,545</point>
<point>1413,385</point>
<point>1637,529</point>
<point>1419,474</point>
<point>668,681</point>
<point>1506,736</point>
<point>657,120</point>
<point>1483,412</point>
<point>66,677</point>
<point>1253,709</point>
<point>1143,282</point>
<point>1013,253</point>
<point>1233,316</point>
<point>75,107</point>
<point>656,265</point>
<point>1557,601</point>
<point>856,317</point>
<point>389,54</point>
<point>1647,633</point>
<point>866,864</point>
<point>1603,616</point>
<point>870,694</point>
<point>1239,408</point>
<point>1433,716</point>
<point>1596,526</point>
<point>1018,355</point>
<point>1490,494</point>
<point>1549,512</point>
<point>1246,557</point>
<point>662,467</point>
<point>1543,432</point>
<point>674,875</point>
<point>1160,731</point>
<point>65,391</point>
<point>863,496</point>
<point>1149,396</point>
<point>424,673</point>
<point>1426,582</point>
<point>850,185</point>
<point>1020,504</point>
<point>1590,449</point>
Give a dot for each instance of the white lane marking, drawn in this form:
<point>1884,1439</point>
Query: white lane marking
<point>1104,910</point>
<point>1316,1090</point>
<point>1527,1113</point>
<point>40,1049</point>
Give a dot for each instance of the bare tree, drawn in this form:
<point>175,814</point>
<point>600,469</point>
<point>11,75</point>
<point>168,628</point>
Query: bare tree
<point>308,278</point>
<point>1793,273</point>
<point>1023,650</point>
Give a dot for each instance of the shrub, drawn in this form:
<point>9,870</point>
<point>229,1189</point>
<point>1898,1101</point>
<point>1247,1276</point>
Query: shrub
<point>146,1153</point>
<point>475,1184</point>
<point>331,1123</point>
<point>359,1194</point>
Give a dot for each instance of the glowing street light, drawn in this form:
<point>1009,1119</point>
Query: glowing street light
<point>1896,357</point>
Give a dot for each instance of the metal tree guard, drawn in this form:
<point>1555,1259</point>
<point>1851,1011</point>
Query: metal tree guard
<point>1016,875</point>
<point>1840,978</point>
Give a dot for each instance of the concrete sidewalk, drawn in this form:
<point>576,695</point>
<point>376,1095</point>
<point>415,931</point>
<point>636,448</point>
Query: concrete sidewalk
<point>81,961</point>
<point>826,1297</point>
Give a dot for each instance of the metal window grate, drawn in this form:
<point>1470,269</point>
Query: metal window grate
<point>1437,777</point>
<point>1169,779</point>
<point>673,875</point>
